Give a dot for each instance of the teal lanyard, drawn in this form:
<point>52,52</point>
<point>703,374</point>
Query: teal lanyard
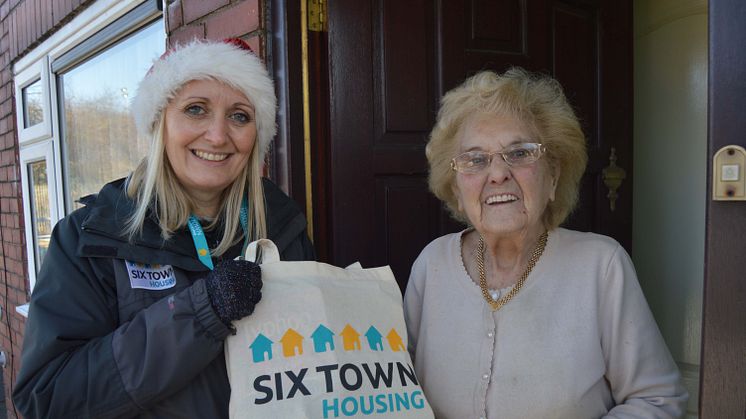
<point>198,236</point>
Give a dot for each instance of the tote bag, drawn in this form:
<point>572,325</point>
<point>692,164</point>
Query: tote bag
<point>324,342</point>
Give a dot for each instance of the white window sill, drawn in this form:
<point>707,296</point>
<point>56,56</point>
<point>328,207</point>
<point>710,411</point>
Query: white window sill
<point>22,310</point>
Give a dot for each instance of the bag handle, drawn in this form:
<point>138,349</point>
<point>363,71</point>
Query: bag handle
<point>262,251</point>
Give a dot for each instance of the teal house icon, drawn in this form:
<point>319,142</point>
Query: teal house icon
<point>322,339</point>
<point>261,348</point>
<point>374,339</point>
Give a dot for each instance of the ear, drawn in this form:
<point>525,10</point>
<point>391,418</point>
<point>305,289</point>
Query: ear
<point>555,180</point>
<point>457,195</point>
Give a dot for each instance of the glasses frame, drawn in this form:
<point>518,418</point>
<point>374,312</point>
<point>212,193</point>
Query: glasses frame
<point>536,153</point>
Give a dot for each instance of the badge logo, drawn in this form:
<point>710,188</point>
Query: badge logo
<point>150,276</point>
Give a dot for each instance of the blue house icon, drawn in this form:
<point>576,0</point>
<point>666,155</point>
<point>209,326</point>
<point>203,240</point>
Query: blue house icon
<point>322,339</point>
<point>374,339</point>
<point>261,348</point>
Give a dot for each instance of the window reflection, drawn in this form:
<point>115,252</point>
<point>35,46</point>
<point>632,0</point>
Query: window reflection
<point>32,104</point>
<point>40,213</point>
<point>99,139</point>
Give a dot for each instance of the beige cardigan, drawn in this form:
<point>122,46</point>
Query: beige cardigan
<point>578,341</point>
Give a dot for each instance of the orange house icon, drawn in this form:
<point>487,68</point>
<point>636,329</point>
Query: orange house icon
<point>395,341</point>
<point>292,343</point>
<point>350,339</point>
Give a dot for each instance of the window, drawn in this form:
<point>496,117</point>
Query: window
<point>74,127</point>
<point>31,100</point>
<point>99,140</point>
<point>40,203</point>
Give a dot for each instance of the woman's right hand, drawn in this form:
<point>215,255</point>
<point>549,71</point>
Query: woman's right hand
<point>234,288</point>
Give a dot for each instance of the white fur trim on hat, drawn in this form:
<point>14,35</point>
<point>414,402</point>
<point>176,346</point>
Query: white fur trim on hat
<point>204,60</point>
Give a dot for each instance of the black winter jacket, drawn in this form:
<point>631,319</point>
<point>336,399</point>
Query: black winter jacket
<point>97,346</point>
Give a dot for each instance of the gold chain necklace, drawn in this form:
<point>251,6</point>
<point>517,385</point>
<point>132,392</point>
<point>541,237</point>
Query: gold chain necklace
<point>497,304</point>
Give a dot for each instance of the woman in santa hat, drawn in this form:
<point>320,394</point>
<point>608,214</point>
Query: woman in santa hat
<point>139,287</point>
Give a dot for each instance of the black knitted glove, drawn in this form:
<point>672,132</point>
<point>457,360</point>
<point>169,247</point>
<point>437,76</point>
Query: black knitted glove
<point>234,287</point>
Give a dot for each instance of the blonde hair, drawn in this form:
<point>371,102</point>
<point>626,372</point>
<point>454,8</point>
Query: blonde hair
<point>153,186</point>
<point>537,101</point>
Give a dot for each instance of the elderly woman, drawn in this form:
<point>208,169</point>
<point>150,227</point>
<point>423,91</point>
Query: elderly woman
<point>128,316</point>
<point>515,317</point>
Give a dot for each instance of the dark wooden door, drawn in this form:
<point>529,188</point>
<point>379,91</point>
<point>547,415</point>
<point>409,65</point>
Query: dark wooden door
<point>723,367</point>
<point>390,61</point>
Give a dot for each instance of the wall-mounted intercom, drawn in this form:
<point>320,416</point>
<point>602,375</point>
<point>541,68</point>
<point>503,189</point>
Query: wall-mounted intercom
<point>728,181</point>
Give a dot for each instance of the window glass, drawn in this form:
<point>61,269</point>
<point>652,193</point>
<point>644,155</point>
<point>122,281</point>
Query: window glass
<point>100,142</point>
<point>33,112</point>
<point>40,212</point>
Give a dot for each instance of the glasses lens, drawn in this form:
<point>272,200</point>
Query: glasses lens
<point>472,161</point>
<point>524,153</point>
<point>515,155</point>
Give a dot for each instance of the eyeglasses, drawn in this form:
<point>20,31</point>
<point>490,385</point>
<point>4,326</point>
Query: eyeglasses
<point>514,155</point>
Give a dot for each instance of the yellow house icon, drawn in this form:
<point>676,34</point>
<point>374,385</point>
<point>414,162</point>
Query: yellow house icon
<point>292,343</point>
<point>350,339</point>
<point>395,341</point>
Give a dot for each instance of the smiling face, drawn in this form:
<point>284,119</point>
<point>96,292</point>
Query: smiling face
<point>209,135</point>
<point>502,200</point>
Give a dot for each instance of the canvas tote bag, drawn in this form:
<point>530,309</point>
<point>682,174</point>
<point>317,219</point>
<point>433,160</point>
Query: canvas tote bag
<point>324,342</point>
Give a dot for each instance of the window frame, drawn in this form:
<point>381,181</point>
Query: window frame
<point>41,151</point>
<point>94,29</point>
<point>39,71</point>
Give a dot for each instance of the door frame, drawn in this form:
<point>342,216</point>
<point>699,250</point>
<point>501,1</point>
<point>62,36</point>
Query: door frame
<point>723,356</point>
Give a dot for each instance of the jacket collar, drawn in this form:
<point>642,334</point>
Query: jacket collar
<point>109,210</point>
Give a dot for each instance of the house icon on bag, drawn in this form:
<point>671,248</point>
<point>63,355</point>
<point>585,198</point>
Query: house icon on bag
<point>261,348</point>
<point>374,339</point>
<point>322,339</point>
<point>350,339</point>
<point>292,343</point>
<point>395,341</point>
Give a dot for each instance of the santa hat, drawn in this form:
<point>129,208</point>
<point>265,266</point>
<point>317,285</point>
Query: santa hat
<point>230,61</point>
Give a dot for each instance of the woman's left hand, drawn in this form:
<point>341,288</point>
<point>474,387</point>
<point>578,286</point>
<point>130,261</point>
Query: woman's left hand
<point>234,288</point>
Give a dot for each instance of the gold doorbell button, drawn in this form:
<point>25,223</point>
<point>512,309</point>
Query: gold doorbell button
<point>728,177</point>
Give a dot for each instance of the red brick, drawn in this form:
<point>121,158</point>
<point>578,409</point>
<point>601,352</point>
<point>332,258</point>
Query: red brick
<point>34,20</point>
<point>195,9</point>
<point>18,282</point>
<point>5,92</point>
<point>4,10</point>
<point>255,42</point>
<point>175,16</point>
<point>13,32</point>
<point>15,266</point>
<point>235,21</point>
<point>20,298</point>
<point>186,34</point>
<point>6,107</point>
<point>27,22</point>
<point>56,12</point>
<point>47,12</point>
<point>12,172</point>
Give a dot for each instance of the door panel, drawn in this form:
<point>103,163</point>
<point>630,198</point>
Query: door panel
<point>391,61</point>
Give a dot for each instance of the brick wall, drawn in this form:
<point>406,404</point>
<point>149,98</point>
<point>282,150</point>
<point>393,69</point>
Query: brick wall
<point>216,19</point>
<point>24,24</point>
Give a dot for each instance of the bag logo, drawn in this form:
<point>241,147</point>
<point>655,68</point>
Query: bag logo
<point>323,341</point>
<point>379,376</point>
<point>153,277</point>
